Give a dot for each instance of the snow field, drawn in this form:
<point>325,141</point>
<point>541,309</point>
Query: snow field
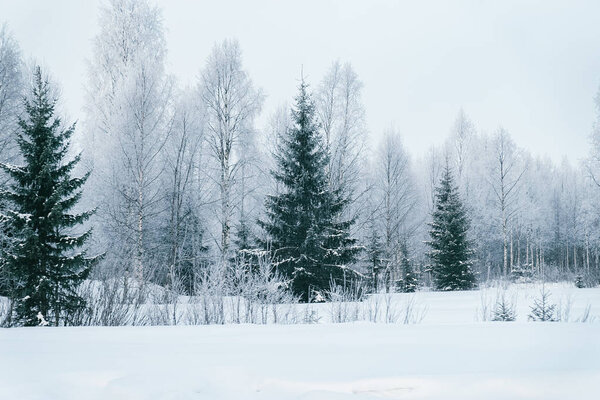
<point>325,361</point>
<point>449,355</point>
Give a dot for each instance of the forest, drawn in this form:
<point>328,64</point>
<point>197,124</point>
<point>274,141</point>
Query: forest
<point>167,191</point>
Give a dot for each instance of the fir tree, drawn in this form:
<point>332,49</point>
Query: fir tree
<point>579,282</point>
<point>374,250</point>
<point>304,224</point>
<point>243,237</point>
<point>244,242</point>
<point>504,310</point>
<point>409,282</point>
<point>43,260</point>
<point>543,309</point>
<point>192,254</point>
<point>450,249</point>
<point>246,252</point>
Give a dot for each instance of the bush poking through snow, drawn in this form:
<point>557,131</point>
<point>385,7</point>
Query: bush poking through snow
<point>563,309</point>
<point>390,308</point>
<point>585,316</point>
<point>251,292</point>
<point>311,316</point>
<point>483,312</point>
<point>412,313</point>
<point>344,303</point>
<point>112,302</point>
<point>543,309</point>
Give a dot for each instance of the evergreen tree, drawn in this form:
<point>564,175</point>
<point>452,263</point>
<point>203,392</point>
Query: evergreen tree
<point>409,277</point>
<point>579,282</point>
<point>246,253</point>
<point>543,309</point>
<point>192,252</point>
<point>43,260</point>
<point>242,239</point>
<point>306,231</point>
<point>375,259</point>
<point>450,249</point>
<point>504,310</point>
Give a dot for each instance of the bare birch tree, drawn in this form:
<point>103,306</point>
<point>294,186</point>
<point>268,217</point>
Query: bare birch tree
<point>11,92</point>
<point>461,137</point>
<point>185,198</point>
<point>129,107</point>
<point>396,199</point>
<point>230,103</point>
<point>506,173</point>
<point>342,117</point>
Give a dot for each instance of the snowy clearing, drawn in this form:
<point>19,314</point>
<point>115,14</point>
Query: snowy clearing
<point>357,361</point>
<point>447,356</point>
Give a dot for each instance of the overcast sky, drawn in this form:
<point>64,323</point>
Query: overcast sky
<point>530,66</point>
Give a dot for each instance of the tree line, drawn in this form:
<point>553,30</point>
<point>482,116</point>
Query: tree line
<point>181,181</point>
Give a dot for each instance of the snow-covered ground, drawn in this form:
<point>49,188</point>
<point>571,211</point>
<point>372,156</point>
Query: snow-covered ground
<point>429,307</point>
<point>449,355</point>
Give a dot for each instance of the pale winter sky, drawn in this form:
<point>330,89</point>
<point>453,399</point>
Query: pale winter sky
<point>530,66</point>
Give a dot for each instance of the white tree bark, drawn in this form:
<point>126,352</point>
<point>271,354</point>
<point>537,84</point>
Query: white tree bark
<point>231,103</point>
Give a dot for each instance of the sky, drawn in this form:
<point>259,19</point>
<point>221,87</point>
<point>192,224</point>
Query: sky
<point>532,67</point>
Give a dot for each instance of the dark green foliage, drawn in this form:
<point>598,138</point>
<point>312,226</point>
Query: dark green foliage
<point>246,245</point>
<point>374,253</point>
<point>521,274</point>
<point>191,254</point>
<point>306,231</point>
<point>451,254</point>
<point>579,282</point>
<point>409,282</point>
<point>247,253</point>
<point>43,261</point>
<point>243,237</point>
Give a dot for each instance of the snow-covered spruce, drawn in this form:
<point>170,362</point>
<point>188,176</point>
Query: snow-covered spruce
<point>504,310</point>
<point>543,309</point>
<point>44,260</point>
<point>306,232</point>
<point>451,253</point>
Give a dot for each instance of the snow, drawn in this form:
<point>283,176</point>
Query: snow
<point>41,318</point>
<point>450,355</point>
<point>466,307</point>
<point>356,361</point>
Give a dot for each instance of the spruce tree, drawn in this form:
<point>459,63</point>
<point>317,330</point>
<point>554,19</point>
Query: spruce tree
<point>306,232</point>
<point>451,262</point>
<point>504,310</point>
<point>246,253</point>
<point>374,250</point>
<point>43,259</point>
<point>543,309</point>
<point>409,281</point>
<point>243,237</point>
<point>191,252</point>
